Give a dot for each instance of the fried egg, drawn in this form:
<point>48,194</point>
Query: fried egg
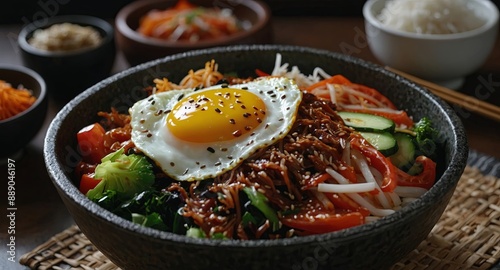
<point>196,134</point>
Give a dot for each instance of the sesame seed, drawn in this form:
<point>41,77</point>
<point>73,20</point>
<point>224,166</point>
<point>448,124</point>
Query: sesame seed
<point>232,121</point>
<point>172,164</point>
<point>217,163</point>
<point>237,133</point>
<point>180,97</point>
<point>223,149</point>
<point>246,115</point>
<point>186,171</point>
<point>218,110</point>
<point>211,150</point>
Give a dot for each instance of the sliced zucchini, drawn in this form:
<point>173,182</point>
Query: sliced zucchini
<point>383,141</point>
<point>405,156</point>
<point>367,122</point>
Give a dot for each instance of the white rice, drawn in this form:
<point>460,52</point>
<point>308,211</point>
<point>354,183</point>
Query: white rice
<point>65,37</point>
<point>431,16</point>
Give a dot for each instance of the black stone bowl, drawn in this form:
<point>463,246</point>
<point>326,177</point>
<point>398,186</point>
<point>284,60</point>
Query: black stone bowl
<point>376,245</point>
<point>17,131</point>
<point>67,74</point>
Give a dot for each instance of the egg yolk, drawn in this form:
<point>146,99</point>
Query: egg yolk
<point>216,115</point>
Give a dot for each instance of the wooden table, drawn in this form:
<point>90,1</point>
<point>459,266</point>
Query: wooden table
<point>40,213</point>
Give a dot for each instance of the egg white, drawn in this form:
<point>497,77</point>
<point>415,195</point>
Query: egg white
<point>188,161</point>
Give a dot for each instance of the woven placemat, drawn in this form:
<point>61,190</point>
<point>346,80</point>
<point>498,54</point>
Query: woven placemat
<point>466,237</point>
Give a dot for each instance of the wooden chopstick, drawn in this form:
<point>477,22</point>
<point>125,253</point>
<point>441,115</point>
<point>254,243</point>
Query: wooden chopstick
<point>465,101</point>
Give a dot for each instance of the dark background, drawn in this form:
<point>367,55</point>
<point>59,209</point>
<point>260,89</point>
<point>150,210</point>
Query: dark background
<point>24,11</point>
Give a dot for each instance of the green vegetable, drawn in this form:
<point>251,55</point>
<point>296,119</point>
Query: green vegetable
<point>124,174</point>
<point>195,233</point>
<point>405,156</point>
<point>383,141</point>
<point>258,200</point>
<point>152,220</point>
<point>367,122</point>
<point>425,138</point>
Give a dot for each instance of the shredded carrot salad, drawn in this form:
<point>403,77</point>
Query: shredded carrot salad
<point>14,100</point>
<point>188,22</point>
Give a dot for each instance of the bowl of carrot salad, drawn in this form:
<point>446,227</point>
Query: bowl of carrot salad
<point>152,29</point>
<point>23,106</point>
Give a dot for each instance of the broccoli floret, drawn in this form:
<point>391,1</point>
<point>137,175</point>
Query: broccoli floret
<point>124,174</point>
<point>425,137</point>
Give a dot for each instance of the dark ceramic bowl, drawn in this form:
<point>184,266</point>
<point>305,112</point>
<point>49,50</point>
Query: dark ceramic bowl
<point>69,73</point>
<point>376,245</point>
<point>138,48</point>
<point>17,131</point>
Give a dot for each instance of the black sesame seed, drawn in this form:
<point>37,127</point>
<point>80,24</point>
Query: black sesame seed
<point>217,163</point>
<point>211,150</point>
<point>246,115</point>
<point>244,88</point>
<point>218,110</point>
<point>149,135</point>
<point>259,120</point>
<point>180,97</point>
<point>172,164</point>
<point>223,149</point>
<point>232,121</point>
<point>186,171</point>
<point>283,96</point>
<point>224,85</point>
<point>203,166</point>
<point>248,127</point>
<point>237,133</point>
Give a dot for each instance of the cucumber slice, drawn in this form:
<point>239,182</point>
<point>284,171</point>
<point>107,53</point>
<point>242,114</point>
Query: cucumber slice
<point>383,141</point>
<point>367,122</point>
<point>405,156</point>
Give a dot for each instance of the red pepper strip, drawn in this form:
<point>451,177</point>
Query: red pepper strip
<point>261,73</point>
<point>343,202</point>
<point>325,223</point>
<point>425,179</point>
<point>378,161</point>
<point>335,79</point>
<point>323,220</point>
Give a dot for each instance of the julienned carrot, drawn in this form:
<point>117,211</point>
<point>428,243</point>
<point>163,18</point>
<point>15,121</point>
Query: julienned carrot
<point>13,101</point>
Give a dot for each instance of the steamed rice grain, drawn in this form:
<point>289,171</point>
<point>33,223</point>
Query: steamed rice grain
<point>431,16</point>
